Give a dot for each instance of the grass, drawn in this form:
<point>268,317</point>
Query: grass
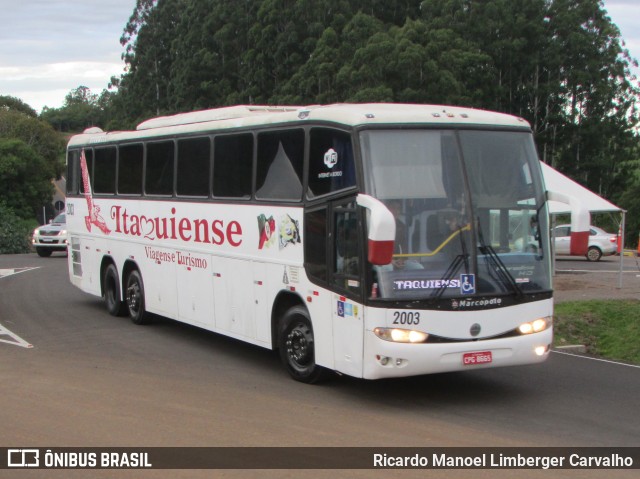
<point>609,329</point>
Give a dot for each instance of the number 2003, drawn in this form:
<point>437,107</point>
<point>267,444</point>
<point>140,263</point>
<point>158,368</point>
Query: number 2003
<point>406,317</point>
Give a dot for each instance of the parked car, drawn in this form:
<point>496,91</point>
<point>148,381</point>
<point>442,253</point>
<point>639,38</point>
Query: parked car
<point>51,237</point>
<point>601,243</point>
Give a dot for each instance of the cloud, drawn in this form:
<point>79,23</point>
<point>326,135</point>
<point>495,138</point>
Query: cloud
<point>48,48</point>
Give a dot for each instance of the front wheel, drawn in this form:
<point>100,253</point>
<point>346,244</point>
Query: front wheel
<point>135,298</point>
<point>43,252</point>
<point>297,346</point>
<point>594,254</point>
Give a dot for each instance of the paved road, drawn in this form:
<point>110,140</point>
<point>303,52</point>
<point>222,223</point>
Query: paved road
<point>90,379</point>
<point>609,264</point>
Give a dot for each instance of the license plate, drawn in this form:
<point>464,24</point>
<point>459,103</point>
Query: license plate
<point>46,240</point>
<point>481,357</point>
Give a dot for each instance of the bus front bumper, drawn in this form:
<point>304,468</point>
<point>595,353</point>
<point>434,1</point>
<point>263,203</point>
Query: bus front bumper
<point>386,359</point>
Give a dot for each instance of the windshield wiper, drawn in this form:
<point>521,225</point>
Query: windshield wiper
<point>500,268</point>
<point>454,267</point>
<point>451,271</point>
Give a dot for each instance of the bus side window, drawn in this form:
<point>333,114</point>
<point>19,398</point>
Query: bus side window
<point>233,166</point>
<point>88,154</point>
<point>315,243</point>
<point>130,170</point>
<point>279,170</point>
<point>159,169</point>
<point>193,167</point>
<point>73,172</point>
<point>331,164</point>
<point>104,175</point>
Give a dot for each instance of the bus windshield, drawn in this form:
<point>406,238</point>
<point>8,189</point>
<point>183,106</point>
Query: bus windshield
<point>469,209</point>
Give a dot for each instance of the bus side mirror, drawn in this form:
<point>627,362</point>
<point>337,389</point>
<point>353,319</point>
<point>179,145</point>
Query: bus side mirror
<point>382,230</point>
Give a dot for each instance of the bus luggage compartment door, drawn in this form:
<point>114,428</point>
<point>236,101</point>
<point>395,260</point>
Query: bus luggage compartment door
<point>234,296</point>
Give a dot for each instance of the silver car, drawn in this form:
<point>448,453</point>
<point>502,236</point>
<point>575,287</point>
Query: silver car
<point>51,237</point>
<point>601,243</point>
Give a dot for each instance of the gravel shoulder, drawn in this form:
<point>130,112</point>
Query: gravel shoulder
<point>580,286</point>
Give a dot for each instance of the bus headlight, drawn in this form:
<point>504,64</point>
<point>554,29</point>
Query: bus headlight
<point>535,326</point>
<point>401,335</point>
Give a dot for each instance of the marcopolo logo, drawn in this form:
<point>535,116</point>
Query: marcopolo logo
<point>476,303</point>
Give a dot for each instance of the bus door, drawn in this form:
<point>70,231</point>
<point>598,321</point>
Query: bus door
<point>347,283</point>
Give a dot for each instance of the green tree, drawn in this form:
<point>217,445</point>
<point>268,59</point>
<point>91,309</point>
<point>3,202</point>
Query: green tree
<point>38,135</point>
<point>81,109</point>
<point>560,64</point>
<point>15,104</point>
<point>25,178</point>
<point>147,38</point>
<point>15,232</point>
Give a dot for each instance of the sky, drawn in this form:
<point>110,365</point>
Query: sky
<point>50,47</point>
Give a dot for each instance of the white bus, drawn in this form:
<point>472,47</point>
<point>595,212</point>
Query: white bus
<point>374,240</point>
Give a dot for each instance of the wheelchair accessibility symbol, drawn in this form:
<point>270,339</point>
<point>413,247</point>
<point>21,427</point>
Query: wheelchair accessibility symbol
<point>467,284</point>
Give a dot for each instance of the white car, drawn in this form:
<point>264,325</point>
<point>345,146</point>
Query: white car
<point>52,237</point>
<point>601,243</point>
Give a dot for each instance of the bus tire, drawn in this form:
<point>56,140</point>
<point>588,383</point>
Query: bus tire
<point>297,346</point>
<point>135,298</point>
<point>111,288</point>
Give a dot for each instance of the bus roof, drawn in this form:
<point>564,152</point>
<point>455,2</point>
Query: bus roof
<point>347,114</point>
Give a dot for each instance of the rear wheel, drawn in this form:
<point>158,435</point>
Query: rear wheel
<point>594,254</point>
<point>135,298</point>
<point>297,346</point>
<point>111,288</point>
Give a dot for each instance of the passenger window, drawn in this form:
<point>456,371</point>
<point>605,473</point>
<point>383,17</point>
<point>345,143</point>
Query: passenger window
<point>104,175</point>
<point>279,169</point>
<point>233,166</point>
<point>159,168</point>
<point>193,167</point>
<point>88,154</point>
<point>331,164</point>
<point>130,170</point>
<point>315,243</point>
<point>73,171</point>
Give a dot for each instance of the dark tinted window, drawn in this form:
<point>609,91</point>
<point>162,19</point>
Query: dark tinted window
<point>88,154</point>
<point>331,164</point>
<point>233,166</point>
<point>130,170</point>
<point>193,167</point>
<point>159,168</point>
<point>315,244</point>
<point>73,171</point>
<point>104,175</point>
<point>279,170</point>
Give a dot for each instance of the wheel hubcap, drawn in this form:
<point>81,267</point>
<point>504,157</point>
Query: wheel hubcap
<point>298,345</point>
<point>133,297</point>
